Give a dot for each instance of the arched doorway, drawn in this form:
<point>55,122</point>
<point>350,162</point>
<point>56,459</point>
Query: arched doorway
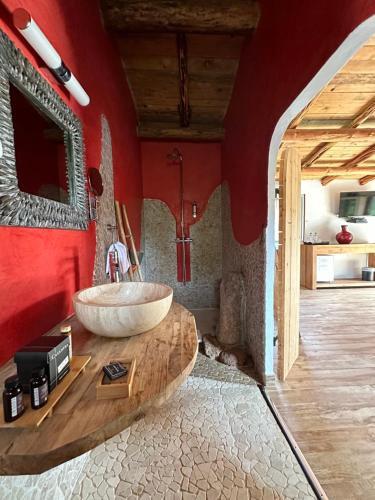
<point>341,56</point>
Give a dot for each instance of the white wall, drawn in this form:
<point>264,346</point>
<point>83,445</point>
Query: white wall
<point>322,206</point>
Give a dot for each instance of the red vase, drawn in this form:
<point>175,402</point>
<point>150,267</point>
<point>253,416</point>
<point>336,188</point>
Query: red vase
<point>344,237</point>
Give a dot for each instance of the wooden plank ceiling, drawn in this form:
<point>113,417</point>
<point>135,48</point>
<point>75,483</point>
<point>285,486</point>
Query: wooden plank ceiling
<point>335,133</point>
<point>147,33</point>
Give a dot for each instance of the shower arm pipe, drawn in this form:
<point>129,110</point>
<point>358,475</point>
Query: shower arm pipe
<point>182,218</point>
<point>176,156</point>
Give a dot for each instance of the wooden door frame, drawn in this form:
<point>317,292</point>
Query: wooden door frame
<point>289,253</point>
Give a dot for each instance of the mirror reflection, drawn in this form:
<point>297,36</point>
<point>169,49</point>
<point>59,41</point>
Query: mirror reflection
<point>39,149</point>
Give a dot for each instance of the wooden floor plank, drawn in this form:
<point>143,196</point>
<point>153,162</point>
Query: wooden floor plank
<point>328,399</point>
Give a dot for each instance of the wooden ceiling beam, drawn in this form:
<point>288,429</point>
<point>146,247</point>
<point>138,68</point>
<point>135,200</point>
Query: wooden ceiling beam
<point>350,167</point>
<point>298,119</point>
<point>169,131</point>
<point>365,113</point>
<point>184,106</point>
<point>339,171</point>
<point>194,16</point>
<point>336,164</point>
<point>331,123</point>
<point>361,157</point>
<point>360,118</point>
<point>329,135</point>
<point>326,180</point>
<point>316,154</point>
<point>366,179</point>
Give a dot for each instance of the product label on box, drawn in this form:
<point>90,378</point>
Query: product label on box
<point>16,405</point>
<point>56,352</point>
<point>63,364</point>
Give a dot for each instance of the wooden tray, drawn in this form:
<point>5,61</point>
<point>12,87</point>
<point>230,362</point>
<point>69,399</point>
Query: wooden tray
<point>120,388</point>
<point>33,418</point>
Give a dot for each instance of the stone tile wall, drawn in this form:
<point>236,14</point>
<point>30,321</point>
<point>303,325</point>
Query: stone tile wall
<point>250,262</point>
<point>105,212</point>
<point>160,262</point>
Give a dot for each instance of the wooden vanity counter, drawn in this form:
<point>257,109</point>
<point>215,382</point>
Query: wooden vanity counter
<point>164,356</point>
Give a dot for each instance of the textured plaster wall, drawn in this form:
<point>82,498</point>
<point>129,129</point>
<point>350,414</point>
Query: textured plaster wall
<point>160,263</point>
<point>40,269</point>
<point>161,180</point>
<point>249,260</point>
<point>274,69</point>
<point>105,211</point>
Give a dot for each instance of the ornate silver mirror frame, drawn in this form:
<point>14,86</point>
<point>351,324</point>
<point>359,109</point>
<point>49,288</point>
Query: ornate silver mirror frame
<point>16,207</point>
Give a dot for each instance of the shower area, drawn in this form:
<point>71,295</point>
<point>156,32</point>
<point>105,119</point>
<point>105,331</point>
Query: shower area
<point>188,243</point>
<point>182,224</point>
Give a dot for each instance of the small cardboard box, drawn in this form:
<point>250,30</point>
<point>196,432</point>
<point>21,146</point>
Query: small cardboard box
<point>50,351</point>
<point>119,388</point>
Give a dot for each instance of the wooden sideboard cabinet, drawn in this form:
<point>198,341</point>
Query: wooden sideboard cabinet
<point>309,254</point>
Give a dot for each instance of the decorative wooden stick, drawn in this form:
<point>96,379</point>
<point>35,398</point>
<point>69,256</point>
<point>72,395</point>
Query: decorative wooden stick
<point>130,236</point>
<point>122,235</point>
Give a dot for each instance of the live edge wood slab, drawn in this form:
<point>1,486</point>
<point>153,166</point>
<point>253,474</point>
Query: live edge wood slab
<point>165,357</point>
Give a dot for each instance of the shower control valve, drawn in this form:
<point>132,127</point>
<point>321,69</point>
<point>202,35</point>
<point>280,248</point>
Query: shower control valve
<point>183,240</point>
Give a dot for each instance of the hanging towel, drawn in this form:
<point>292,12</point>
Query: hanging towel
<point>123,258</point>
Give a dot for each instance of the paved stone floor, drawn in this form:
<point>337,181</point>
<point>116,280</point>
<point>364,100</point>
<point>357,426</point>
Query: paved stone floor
<point>214,439</point>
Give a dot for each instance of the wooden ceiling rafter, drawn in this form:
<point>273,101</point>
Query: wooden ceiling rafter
<point>360,158</point>
<point>351,166</point>
<point>151,64</point>
<point>335,133</point>
<point>333,123</point>
<point>173,99</point>
<point>329,135</point>
<point>360,118</point>
<point>193,16</point>
<point>339,171</point>
<point>184,108</point>
<point>327,179</point>
<point>301,115</point>
<point>317,153</point>
<point>366,179</point>
<point>202,132</point>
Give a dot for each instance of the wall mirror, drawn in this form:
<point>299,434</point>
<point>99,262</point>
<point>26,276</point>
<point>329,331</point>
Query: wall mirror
<point>42,181</point>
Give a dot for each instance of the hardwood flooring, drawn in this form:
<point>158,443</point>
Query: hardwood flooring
<point>328,399</point>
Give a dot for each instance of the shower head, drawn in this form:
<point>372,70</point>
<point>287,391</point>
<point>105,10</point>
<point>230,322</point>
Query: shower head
<point>175,155</point>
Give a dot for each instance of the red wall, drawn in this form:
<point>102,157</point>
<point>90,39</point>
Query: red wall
<point>293,40</point>
<point>161,178</point>
<point>41,268</point>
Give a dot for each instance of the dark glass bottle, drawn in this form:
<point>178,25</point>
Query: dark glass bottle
<point>12,399</point>
<point>38,388</point>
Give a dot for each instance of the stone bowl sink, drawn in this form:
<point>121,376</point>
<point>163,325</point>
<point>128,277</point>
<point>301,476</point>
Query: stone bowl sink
<point>122,309</point>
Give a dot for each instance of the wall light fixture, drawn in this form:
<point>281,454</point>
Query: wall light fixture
<point>29,29</point>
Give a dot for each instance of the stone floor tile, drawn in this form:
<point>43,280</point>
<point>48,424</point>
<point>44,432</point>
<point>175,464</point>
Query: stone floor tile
<point>214,439</point>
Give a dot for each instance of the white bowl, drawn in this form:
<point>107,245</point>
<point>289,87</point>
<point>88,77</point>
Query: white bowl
<point>122,309</point>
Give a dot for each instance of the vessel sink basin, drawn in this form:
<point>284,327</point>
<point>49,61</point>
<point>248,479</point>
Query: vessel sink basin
<point>122,309</point>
